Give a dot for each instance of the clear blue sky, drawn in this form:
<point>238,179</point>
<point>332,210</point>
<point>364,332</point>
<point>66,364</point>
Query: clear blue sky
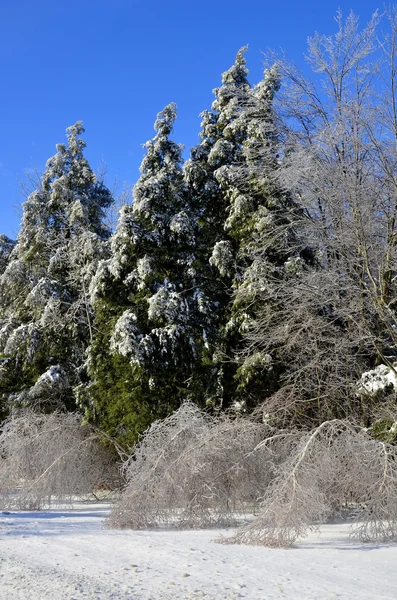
<point>114,64</point>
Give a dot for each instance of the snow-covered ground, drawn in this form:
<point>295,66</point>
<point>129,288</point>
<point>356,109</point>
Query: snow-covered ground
<point>67,554</point>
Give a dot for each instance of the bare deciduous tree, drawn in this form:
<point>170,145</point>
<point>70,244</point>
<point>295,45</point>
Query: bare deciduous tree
<point>332,319</point>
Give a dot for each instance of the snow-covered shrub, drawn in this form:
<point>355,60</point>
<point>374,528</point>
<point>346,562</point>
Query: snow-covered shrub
<point>50,458</point>
<point>194,470</point>
<point>333,469</point>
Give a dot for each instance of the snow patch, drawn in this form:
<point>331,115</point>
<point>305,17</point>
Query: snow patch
<point>380,379</point>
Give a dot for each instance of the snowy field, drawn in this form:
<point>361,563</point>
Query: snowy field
<point>67,554</point>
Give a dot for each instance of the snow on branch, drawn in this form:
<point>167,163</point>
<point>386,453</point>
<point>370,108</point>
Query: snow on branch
<point>380,379</point>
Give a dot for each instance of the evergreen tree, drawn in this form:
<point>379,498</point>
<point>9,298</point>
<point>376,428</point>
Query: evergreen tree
<point>246,222</point>
<point>152,316</point>
<point>46,317</point>
<point>220,146</point>
<point>260,235</point>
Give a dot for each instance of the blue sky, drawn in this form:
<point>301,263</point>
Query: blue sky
<point>114,64</point>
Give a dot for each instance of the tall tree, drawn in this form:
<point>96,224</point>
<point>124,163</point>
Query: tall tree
<point>219,147</point>
<point>260,232</point>
<point>239,204</point>
<point>337,318</point>
<point>46,316</point>
<point>152,316</point>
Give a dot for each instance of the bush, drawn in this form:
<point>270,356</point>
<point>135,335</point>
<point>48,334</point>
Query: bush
<point>50,457</point>
<point>334,469</point>
<point>194,470</point>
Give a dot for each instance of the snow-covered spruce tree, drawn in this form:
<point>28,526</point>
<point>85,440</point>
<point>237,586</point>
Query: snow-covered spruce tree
<point>46,316</point>
<point>262,229</point>
<point>241,209</point>
<point>152,318</point>
<point>217,149</point>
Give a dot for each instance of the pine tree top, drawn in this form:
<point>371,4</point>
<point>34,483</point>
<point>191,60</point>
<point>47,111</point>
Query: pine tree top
<point>237,74</point>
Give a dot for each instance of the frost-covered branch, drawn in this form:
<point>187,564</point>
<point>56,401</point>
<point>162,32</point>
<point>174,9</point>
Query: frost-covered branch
<point>51,458</point>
